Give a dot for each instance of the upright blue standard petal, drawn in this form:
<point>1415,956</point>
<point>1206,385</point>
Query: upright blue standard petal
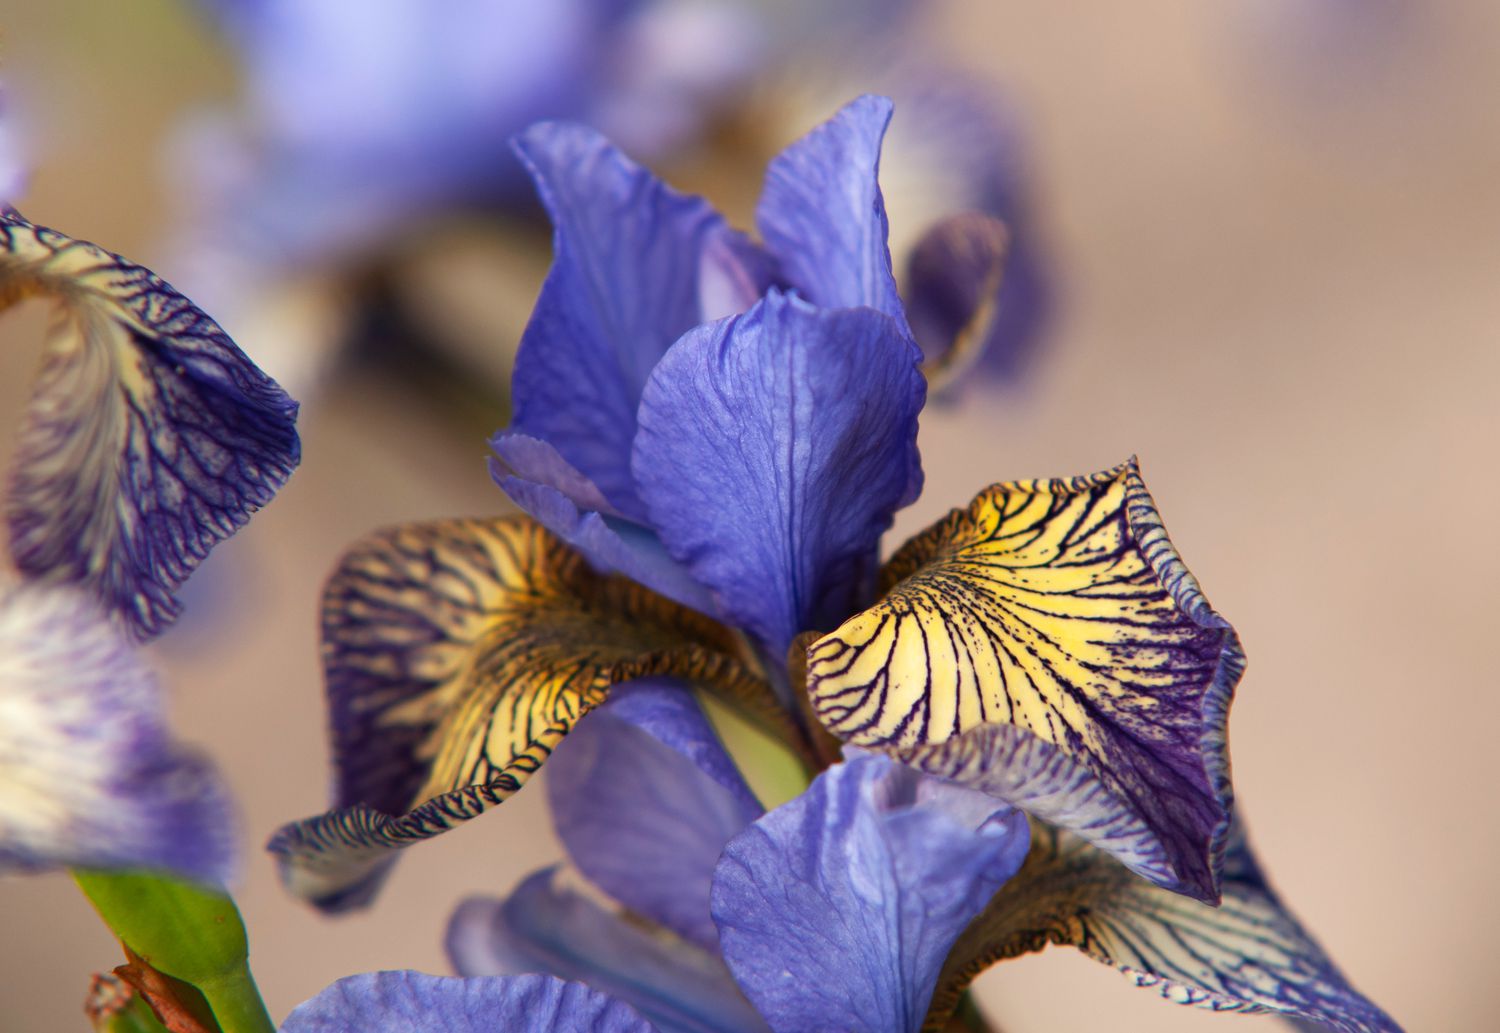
<point>837,910</point>
<point>411,1002</point>
<point>822,215</point>
<point>774,448</point>
<point>623,286</point>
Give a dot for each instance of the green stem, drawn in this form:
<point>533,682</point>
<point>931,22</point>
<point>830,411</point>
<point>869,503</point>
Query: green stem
<point>237,1004</point>
<point>185,931</point>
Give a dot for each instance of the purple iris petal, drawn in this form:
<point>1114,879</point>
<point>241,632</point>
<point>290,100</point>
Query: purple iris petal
<point>411,1002</point>
<point>89,775</point>
<point>822,215</point>
<point>623,286</point>
<point>837,910</point>
<point>562,500</point>
<point>773,449</point>
<point>734,272</point>
<point>531,459</point>
<point>544,927</point>
<point>644,797</point>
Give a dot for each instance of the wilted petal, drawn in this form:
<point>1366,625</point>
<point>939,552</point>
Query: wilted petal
<point>548,489</point>
<point>545,927</point>
<point>1248,955</point>
<point>773,449</point>
<point>89,775</point>
<point>457,655</point>
<point>836,910</point>
<point>1059,609</point>
<point>623,286</point>
<point>150,437</point>
<point>822,215</point>
<point>954,278</point>
<point>413,1002</point>
<point>958,147</point>
<point>1023,307</point>
<point>644,797</point>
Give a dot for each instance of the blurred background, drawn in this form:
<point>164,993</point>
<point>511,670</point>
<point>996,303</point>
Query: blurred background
<point>1262,247</point>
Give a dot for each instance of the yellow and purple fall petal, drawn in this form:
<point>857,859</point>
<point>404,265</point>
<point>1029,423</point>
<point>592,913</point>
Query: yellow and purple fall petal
<point>150,436</point>
<point>1047,645</point>
<point>547,926</point>
<point>457,655</point>
<point>1249,954</point>
<point>89,774</point>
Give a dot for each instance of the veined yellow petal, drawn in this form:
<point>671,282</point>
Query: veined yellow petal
<point>1047,644</point>
<point>458,653</point>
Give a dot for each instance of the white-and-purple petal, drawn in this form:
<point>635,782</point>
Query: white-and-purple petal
<point>89,775</point>
<point>14,169</point>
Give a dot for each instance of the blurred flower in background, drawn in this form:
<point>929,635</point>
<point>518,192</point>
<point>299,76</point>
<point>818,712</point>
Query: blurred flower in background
<point>364,189</point>
<point>12,160</point>
<point>1325,50</point>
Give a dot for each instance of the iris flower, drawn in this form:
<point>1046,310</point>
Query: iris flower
<point>711,434</point>
<point>148,439</point>
<point>368,159</point>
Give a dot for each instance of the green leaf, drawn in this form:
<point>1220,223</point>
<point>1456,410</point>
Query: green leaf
<point>189,932</point>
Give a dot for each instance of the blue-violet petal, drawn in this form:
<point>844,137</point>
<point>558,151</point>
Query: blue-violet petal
<point>644,797</point>
<point>837,910</point>
<point>774,448</point>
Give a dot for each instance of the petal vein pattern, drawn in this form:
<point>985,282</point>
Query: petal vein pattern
<point>1247,955</point>
<point>457,654</point>
<point>1047,645</point>
<point>150,437</point>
